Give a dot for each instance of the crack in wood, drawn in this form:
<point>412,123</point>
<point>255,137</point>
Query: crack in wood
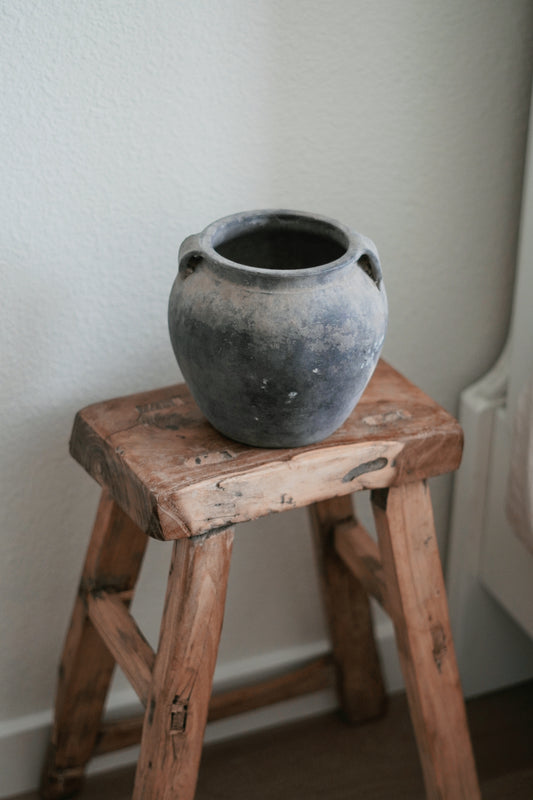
<point>440,647</point>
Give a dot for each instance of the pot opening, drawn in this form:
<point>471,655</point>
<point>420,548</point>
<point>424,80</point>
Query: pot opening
<point>285,246</point>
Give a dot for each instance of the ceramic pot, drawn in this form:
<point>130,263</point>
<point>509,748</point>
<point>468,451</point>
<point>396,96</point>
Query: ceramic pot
<point>277,319</point>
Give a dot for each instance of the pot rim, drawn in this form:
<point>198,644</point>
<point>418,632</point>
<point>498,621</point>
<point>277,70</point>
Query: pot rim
<point>221,229</point>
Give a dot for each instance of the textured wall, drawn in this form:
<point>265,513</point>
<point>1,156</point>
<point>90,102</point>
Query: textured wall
<point>127,125</point>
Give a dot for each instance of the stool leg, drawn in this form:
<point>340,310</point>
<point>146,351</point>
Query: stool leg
<point>411,563</point>
<point>359,680</point>
<point>113,561</point>
<point>176,712</point>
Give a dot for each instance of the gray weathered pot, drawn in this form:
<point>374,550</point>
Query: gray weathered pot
<point>277,319</point>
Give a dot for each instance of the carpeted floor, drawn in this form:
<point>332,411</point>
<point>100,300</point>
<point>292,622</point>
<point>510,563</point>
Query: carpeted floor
<point>323,758</point>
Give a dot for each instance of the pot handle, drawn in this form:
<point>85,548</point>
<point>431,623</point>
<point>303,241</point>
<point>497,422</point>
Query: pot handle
<point>367,258</point>
<point>190,255</point>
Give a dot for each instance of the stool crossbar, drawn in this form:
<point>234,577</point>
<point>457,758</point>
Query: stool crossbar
<point>166,473</point>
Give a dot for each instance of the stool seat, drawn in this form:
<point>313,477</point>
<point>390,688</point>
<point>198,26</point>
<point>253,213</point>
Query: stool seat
<point>176,476</point>
<point>166,473</point>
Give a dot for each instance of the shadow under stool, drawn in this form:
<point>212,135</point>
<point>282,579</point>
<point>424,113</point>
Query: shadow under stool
<point>166,473</point>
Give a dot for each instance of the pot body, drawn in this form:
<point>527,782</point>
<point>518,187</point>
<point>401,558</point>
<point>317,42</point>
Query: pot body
<point>277,320</point>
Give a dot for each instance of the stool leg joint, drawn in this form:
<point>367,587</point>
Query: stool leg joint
<point>60,782</point>
<point>359,681</point>
<point>90,586</point>
<point>379,498</point>
<point>178,715</point>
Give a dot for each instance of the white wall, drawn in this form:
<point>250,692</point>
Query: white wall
<point>126,125</point>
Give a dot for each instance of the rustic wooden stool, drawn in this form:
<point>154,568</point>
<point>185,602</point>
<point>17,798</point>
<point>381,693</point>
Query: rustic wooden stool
<point>167,473</point>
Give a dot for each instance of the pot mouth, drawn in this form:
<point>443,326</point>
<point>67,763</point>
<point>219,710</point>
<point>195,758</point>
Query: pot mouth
<point>281,242</point>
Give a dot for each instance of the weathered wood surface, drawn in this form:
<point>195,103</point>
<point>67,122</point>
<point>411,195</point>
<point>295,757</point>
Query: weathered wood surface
<point>361,555</point>
<point>359,681</point>
<point>112,563</point>
<point>177,708</point>
<point>118,734</point>
<point>176,476</point>
<point>312,677</point>
<point>413,574</point>
<point>123,639</point>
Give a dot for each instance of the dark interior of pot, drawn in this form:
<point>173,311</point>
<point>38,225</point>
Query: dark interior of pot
<point>275,247</point>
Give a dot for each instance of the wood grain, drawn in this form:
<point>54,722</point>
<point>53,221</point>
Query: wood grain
<point>361,555</point>
<point>312,677</point>
<point>119,734</point>
<point>123,639</point>
<point>359,681</point>
<point>177,477</point>
<point>113,561</point>
<point>177,708</point>
<point>410,558</point>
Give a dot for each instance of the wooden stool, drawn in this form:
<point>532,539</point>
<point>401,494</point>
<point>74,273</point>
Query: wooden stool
<point>167,473</point>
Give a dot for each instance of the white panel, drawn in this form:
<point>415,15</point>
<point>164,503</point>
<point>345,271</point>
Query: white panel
<point>506,566</point>
<point>492,650</point>
<point>485,554</point>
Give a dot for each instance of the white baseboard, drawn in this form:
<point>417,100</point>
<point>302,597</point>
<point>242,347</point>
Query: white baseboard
<point>23,740</point>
